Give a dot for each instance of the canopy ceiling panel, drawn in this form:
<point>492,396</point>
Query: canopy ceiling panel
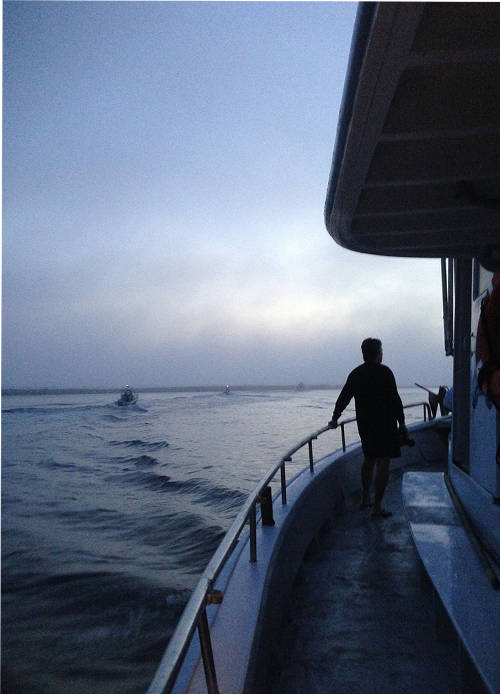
<point>416,167</point>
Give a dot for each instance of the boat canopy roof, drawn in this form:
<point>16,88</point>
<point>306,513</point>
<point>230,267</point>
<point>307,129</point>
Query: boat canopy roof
<point>416,166</point>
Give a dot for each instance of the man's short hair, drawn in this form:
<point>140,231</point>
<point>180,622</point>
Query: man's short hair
<point>370,348</point>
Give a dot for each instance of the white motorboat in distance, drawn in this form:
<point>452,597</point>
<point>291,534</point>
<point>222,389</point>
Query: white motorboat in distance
<point>127,397</point>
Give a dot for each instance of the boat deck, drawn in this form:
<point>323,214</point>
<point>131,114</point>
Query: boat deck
<point>359,619</point>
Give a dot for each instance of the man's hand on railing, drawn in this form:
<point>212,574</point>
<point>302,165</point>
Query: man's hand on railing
<point>333,423</point>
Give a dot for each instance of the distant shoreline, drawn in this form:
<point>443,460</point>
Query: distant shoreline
<point>170,389</point>
<point>161,389</point>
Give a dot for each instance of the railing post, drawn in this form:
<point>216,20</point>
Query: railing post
<point>283,482</point>
<point>253,534</point>
<point>343,436</point>
<point>311,462</point>
<point>207,654</point>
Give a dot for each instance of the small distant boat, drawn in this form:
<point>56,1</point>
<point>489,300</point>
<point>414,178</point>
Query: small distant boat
<point>227,390</point>
<point>127,397</point>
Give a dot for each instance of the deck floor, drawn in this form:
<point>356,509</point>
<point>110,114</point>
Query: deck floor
<point>359,620</point>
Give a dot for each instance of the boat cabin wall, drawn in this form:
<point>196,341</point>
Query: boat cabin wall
<point>473,468</point>
<point>484,429</point>
<point>475,419</point>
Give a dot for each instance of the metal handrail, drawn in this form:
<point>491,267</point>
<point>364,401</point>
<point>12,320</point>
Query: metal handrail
<point>194,615</point>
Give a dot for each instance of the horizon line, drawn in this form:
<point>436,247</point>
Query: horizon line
<point>152,389</point>
<point>166,389</point>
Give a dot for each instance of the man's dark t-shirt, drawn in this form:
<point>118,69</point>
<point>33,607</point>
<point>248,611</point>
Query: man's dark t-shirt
<point>378,409</point>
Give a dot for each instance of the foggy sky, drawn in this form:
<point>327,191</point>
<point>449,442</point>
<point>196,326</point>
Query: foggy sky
<point>165,168</point>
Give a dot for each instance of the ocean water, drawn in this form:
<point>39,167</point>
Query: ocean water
<point>109,516</point>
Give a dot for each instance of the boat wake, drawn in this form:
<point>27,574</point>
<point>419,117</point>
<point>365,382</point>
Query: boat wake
<point>54,409</point>
<point>138,443</point>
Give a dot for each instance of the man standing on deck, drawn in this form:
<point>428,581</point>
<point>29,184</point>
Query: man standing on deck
<point>379,410</point>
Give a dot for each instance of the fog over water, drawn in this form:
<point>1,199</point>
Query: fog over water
<point>165,171</point>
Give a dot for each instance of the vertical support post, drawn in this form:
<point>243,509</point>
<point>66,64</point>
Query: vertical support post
<point>311,461</point>
<point>425,413</point>
<point>207,654</point>
<point>451,308</point>
<point>253,534</point>
<point>460,425</point>
<point>447,289</point>
<point>343,436</point>
<point>283,483</point>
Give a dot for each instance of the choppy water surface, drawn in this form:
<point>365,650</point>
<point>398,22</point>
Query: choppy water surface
<point>109,515</point>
